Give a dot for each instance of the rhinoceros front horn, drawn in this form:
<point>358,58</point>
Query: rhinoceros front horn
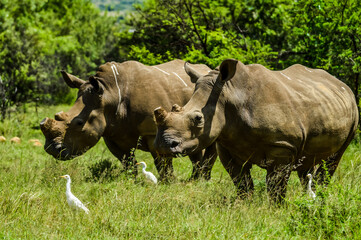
<point>160,114</point>
<point>45,126</point>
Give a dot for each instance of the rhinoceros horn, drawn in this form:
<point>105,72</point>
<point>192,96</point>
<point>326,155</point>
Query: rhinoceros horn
<point>46,127</point>
<point>176,108</point>
<point>71,80</point>
<point>160,115</point>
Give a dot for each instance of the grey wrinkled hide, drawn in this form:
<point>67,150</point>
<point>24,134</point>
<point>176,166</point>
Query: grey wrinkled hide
<point>117,104</point>
<point>279,120</point>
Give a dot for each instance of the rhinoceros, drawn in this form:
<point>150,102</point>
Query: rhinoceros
<point>117,104</point>
<point>291,120</point>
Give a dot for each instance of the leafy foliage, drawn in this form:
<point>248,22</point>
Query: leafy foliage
<point>39,38</point>
<point>206,31</point>
<point>276,34</point>
<point>327,35</point>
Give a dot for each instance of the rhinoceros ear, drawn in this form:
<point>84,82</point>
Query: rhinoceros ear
<point>160,114</point>
<point>71,80</point>
<point>95,82</point>
<point>191,72</point>
<point>228,69</point>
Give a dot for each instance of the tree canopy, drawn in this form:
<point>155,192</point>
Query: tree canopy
<point>39,38</point>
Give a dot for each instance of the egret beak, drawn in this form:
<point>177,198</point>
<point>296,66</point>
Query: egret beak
<point>137,163</point>
<point>62,176</point>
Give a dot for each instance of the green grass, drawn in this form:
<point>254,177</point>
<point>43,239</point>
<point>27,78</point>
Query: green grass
<point>33,203</point>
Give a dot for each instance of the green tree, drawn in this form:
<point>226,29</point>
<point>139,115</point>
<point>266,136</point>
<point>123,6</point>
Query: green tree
<point>327,35</point>
<point>207,31</point>
<point>39,38</point>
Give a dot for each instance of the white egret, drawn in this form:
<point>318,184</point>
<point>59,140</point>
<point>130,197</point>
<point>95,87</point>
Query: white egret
<point>147,174</point>
<point>309,188</point>
<point>73,201</point>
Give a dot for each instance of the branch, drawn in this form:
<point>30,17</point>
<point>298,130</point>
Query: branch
<point>203,43</point>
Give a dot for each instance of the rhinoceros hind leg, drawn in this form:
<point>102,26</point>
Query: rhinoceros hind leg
<point>240,172</point>
<point>327,168</point>
<point>277,179</point>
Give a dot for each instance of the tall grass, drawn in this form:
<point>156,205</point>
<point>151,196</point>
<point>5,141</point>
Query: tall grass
<point>33,203</point>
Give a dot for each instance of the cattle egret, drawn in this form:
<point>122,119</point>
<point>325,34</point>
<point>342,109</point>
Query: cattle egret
<point>73,201</point>
<point>309,189</point>
<point>147,174</point>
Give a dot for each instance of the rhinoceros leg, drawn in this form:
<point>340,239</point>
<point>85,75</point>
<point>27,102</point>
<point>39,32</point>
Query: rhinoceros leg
<point>239,171</point>
<point>326,170</point>
<point>125,156</point>
<point>163,164</point>
<point>203,163</point>
<point>277,179</point>
<point>196,160</point>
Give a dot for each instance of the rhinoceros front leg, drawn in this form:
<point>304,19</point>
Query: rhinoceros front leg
<point>203,163</point>
<point>239,171</point>
<point>276,180</point>
<point>164,167</point>
<point>163,164</point>
<point>125,156</point>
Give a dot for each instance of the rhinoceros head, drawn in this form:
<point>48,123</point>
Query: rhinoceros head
<point>196,125</point>
<point>72,133</point>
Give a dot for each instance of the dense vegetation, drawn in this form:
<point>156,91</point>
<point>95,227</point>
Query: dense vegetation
<point>39,38</point>
<point>33,203</point>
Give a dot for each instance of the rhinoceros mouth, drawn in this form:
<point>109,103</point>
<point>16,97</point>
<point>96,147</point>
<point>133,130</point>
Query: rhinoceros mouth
<point>59,151</point>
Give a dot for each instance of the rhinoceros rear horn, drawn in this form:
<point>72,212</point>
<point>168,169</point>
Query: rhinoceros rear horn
<point>228,69</point>
<point>176,108</point>
<point>71,80</point>
<point>194,75</point>
<point>160,114</point>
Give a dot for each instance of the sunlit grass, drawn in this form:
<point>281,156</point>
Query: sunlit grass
<point>33,203</point>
